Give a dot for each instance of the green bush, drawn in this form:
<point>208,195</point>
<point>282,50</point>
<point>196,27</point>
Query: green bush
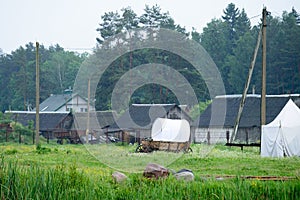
<point>11,151</point>
<point>42,150</point>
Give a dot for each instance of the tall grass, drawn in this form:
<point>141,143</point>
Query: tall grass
<point>61,182</point>
<point>33,182</point>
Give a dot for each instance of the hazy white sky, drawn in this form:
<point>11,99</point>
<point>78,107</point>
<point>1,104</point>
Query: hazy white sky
<point>72,23</point>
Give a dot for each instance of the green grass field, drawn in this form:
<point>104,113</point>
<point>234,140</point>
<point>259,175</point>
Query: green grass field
<point>84,172</point>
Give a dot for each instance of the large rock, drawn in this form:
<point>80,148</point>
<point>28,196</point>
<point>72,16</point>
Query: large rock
<point>156,171</point>
<point>119,177</point>
<point>184,174</point>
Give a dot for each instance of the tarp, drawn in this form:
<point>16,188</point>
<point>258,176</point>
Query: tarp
<point>170,130</point>
<point>281,137</point>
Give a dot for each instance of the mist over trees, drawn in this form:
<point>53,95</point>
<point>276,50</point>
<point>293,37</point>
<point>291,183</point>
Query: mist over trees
<point>229,40</point>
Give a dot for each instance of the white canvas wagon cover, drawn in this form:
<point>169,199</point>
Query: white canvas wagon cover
<point>170,130</point>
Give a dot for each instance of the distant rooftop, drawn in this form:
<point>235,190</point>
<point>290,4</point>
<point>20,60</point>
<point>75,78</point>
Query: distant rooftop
<point>170,104</point>
<point>54,102</point>
<point>257,95</point>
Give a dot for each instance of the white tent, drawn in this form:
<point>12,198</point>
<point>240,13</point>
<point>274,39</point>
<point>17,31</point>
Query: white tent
<point>281,137</point>
<point>170,130</point>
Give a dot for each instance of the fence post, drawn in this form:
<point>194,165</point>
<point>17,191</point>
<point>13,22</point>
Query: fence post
<point>20,137</point>
<point>227,136</point>
<point>6,136</point>
<point>247,137</point>
<point>138,137</point>
<point>208,137</point>
<point>47,136</point>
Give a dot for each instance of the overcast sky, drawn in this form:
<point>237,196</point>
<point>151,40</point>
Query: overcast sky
<point>72,23</point>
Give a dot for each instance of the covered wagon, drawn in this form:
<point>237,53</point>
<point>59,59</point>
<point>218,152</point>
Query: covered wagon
<point>167,135</point>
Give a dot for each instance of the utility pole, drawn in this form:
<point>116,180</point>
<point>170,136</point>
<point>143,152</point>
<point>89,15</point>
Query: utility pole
<point>264,61</point>
<point>246,88</point>
<point>88,111</point>
<point>37,98</point>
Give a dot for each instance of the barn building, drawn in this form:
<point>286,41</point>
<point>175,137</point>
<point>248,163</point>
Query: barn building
<point>95,124</point>
<point>136,123</point>
<point>67,125</point>
<point>51,123</point>
<point>216,123</point>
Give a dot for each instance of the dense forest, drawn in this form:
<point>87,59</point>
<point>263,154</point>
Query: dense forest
<point>230,41</point>
<point>58,69</point>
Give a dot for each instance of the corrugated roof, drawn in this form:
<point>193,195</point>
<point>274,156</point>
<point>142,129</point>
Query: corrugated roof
<point>251,113</point>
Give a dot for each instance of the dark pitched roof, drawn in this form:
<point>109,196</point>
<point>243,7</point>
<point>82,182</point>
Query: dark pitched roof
<point>106,118</point>
<point>54,102</point>
<point>142,115</point>
<point>48,121</point>
<point>98,120</point>
<point>226,117</point>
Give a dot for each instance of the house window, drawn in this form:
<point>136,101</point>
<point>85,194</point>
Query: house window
<point>83,109</point>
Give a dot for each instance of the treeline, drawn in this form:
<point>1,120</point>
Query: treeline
<point>154,18</point>
<point>58,69</point>
<point>230,41</point>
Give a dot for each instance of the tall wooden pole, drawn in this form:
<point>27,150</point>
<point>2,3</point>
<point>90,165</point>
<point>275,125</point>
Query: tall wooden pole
<point>37,98</point>
<point>264,61</point>
<point>88,111</point>
<point>246,88</point>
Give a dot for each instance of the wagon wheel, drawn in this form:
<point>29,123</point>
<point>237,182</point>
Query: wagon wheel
<point>148,149</point>
<point>59,141</point>
<point>188,150</point>
<point>139,149</point>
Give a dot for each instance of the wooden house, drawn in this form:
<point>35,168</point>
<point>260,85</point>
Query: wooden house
<point>66,102</point>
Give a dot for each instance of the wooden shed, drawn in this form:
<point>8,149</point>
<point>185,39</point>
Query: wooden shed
<point>139,118</point>
<point>95,124</point>
<point>50,122</point>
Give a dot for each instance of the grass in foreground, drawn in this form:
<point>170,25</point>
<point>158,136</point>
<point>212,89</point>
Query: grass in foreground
<point>71,172</point>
